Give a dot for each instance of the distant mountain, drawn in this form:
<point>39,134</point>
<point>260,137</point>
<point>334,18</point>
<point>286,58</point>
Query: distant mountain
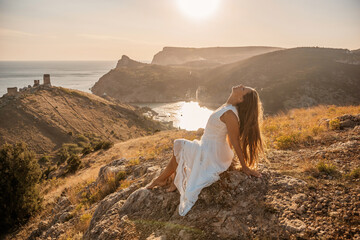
<point>298,77</point>
<point>357,51</point>
<point>45,118</point>
<point>132,81</point>
<point>211,55</point>
<point>288,78</point>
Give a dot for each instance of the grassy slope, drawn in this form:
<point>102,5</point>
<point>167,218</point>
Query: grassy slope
<point>48,118</point>
<point>299,159</point>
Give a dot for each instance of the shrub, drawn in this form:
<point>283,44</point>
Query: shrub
<point>19,175</point>
<point>73,163</point>
<point>84,222</point>
<point>86,150</point>
<point>133,162</point>
<point>72,148</point>
<point>354,174</point>
<point>121,175</point>
<point>334,124</point>
<point>63,154</point>
<point>82,138</point>
<point>45,173</point>
<point>44,160</point>
<point>287,141</point>
<point>103,145</point>
<point>328,169</point>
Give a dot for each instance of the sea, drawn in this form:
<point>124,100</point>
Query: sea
<point>82,75</point>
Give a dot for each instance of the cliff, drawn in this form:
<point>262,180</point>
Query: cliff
<point>207,56</point>
<point>131,81</point>
<point>45,118</point>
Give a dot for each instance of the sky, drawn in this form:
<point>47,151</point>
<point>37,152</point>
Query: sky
<point>106,30</point>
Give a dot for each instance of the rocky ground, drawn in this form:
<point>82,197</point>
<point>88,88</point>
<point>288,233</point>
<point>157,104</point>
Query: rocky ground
<point>293,199</point>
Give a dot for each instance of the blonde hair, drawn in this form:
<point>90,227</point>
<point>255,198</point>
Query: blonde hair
<point>251,115</point>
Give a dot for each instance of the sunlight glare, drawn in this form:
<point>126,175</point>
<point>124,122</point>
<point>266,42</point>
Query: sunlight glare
<point>192,116</point>
<point>198,8</point>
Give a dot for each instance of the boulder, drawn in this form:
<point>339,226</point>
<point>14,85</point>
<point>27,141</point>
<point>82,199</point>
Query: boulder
<point>221,212</point>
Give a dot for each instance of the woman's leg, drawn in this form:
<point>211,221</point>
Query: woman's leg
<point>170,169</point>
<point>172,186</point>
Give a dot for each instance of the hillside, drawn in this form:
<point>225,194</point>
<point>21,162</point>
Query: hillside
<point>291,78</point>
<point>45,118</point>
<point>285,79</point>
<point>309,189</point>
<point>131,81</point>
<point>207,56</point>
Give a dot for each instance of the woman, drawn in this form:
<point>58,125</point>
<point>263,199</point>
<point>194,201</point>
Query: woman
<point>197,164</point>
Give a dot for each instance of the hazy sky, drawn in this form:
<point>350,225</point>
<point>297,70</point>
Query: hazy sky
<point>105,30</point>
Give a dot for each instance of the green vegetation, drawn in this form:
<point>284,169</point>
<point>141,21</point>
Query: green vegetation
<point>70,152</point>
<point>44,160</point>
<point>73,163</point>
<point>354,174</point>
<point>323,169</point>
<point>328,169</point>
<point>19,175</point>
<point>103,145</point>
<point>287,141</point>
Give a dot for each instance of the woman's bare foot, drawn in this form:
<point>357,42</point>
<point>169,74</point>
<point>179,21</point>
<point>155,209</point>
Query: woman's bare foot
<point>156,182</point>
<point>171,188</point>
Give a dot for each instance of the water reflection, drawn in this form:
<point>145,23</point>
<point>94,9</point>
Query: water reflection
<point>185,115</point>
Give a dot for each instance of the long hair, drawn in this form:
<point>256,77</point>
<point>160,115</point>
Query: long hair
<point>251,116</point>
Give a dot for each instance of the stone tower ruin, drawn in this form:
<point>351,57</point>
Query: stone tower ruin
<point>47,80</point>
<point>12,91</point>
<point>36,83</point>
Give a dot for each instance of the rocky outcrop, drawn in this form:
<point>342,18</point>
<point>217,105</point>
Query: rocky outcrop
<point>136,82</point>
<point>348,121</point>
<point>60,219</point>
<point>234,207</point>
<point>125,61</point>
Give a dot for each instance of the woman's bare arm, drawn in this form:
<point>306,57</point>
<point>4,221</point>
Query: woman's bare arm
<point>232,125</point>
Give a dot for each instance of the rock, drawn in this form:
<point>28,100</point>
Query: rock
<point>334,214</point>
<point>349,121</point>
<point>340,146</point>
<point>294,225</point>
<point>290,182</point>
<point>219,210</point>
<point>298,198</point>
<point>65,217</point>
<point>301,209</point>
<point>110,169</point>
<point>184,235</point>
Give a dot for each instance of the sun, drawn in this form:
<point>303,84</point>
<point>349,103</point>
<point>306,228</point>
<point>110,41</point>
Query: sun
<point>198,8</point>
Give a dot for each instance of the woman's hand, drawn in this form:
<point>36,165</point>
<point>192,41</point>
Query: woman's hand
<point>251,172</point>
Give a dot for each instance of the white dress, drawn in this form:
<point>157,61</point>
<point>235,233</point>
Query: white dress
<point>201,162</point>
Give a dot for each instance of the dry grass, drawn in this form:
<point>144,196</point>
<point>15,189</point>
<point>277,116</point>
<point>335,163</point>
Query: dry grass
<point>302,126</point>
<point>354,174</point>
<point>77,231</point>
<point>321,168</point>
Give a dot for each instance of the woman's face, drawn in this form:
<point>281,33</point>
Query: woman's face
<point>238,92</point>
